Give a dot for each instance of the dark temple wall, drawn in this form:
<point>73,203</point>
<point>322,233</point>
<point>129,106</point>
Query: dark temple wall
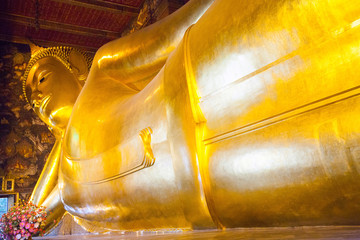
<point>25,140</point>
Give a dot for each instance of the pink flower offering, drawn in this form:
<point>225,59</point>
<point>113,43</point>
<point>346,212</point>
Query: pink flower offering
<point>27,226</point>
<point>22,224</point>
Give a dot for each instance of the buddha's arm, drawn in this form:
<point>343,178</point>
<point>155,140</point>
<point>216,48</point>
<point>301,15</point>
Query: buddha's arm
<point>49,176</point>
<point>54,208</point>
<point>141,55</point>
<point>46,192</point>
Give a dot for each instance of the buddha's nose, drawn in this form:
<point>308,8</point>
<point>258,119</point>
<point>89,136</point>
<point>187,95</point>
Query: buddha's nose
<point>36,98</point>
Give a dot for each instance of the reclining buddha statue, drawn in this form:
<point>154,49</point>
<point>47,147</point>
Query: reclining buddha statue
<point>225,114</point>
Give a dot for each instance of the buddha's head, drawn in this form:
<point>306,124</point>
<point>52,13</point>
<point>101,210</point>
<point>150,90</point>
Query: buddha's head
<point>52,82</point>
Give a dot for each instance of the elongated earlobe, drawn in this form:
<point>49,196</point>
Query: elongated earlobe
<point>79,65</point>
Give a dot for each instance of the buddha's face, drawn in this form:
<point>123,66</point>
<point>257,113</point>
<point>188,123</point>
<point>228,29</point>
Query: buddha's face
<point>52,91</point>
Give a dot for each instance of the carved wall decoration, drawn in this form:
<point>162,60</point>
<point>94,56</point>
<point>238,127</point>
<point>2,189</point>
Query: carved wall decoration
<point>151,12</point>
<point>25,140</point>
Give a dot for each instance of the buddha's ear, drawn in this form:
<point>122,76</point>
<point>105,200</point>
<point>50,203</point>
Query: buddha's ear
<point>79,65</point>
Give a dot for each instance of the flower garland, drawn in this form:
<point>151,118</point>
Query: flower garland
<point>22,221</point>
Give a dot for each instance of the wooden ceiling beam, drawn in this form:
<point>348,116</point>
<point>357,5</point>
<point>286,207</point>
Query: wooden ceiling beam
<point>59,27</point>
<point>104,5</point>
<point>44,43</point>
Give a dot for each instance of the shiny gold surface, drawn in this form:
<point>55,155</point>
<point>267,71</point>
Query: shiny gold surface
<point>249,118</point>
<point>48,178</point>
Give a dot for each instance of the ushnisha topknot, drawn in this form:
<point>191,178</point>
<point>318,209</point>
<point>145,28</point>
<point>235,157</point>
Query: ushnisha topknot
<point>61,53</point>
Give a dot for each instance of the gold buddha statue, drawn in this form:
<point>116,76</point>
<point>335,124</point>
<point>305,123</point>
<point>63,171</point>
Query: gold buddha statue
<point>59,70</point>
<point>248,119</point>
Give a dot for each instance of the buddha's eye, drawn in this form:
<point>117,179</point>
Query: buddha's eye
<point>43,76</point>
